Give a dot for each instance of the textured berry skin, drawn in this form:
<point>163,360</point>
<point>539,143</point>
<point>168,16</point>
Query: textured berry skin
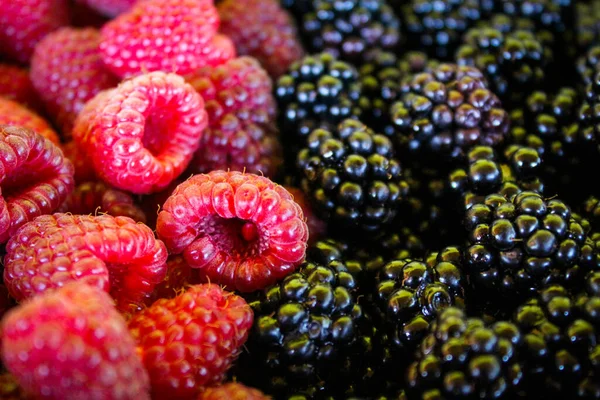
<point>241,134</point>
<point>35,178</point>
<point>77,343</point>
<point>84,168</point>
<point>114,254</point>
<point>23,23</point>
<point>316,226</point>
<point>189,342</point>
<point>263,30</point>
<point>178,30</point>
<point>98,197</point>
<point>13,113</point>
<point>67,71</point>
<point>240,230</point>
<point>142,135</point>
<point>109,8</point>
<point>232,391</point>
<point>15,85</point>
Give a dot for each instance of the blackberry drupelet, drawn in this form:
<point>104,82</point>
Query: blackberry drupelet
<point>352,178</point>
<point>349,28</point>
<point>465,358</point>
<point>514,63</point>
<point>444,112</point>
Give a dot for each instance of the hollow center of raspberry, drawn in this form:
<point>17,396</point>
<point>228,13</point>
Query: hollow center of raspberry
<point>158,130</point>
<point>235,236</point>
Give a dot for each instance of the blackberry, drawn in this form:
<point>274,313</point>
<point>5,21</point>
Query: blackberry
<point>555,15</point>
<point>465,358</point>
<point>520,243</point>
<point>588,65</point>
<point>444,112</point>
<point>587,24</point>
<point>514,63</point>
<point>589,118</point>
<point>352,177</point>
<point>348,28</point>
<point>591,211</point>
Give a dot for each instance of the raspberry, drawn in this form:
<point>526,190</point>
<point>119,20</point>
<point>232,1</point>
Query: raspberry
<point>240,230</point>
<point>232,391</point>
<point>109,8</point>
<point>111,253</point>
<point>264,30</point>
<point>241,134</point>
<point>16,86</point>
<point>142,135</point>
<point>35,178</point>
<point>67,71</point>
<point>12,113</point>
<point>317,228</point>
<point>84,169</point>
<point>72,344</point>
<point>178,31</point>
<point>98,197</point>
<point>190,341</point>
<point>23,23</point>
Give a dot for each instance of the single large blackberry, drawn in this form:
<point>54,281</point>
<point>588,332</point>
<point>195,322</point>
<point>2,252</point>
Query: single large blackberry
<point>352,177</point>
<point>444,112</point>
<point>514,63</point>
<point>349,28</point>
<point>465,358</point>
<point>520,243</point>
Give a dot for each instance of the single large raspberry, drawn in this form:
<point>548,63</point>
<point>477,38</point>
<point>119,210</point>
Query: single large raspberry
<point>13,113</point>
<point>23,23</point>
<point>264,30</point>
<point>190,341</point>
<point>160,35</point>
<point>98,197</point>
<point>142,135</point>
<point>67,71</point>
<point>73,344</point>
<point>115,254</point>
<point>232,391</point>
<point>35,178</point>
<point>241,134</point>
<point>241,230</point>
<point>15,85</point>
<point>109,8</point>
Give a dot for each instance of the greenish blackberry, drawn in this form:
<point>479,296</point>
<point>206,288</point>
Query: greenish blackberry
<point>444,112</point>
<point>514,63</point>
<point>352,178</point>
<point>349,28</point>
<point>465,358</point>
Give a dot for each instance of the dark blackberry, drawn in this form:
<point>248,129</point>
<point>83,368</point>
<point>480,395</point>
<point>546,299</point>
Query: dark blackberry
<point>465,358</point>
<point>588,65</point>
<point>589,117</point>
<point>557,16</point>
<point>444,112</point>
<point>562,349</point>
<point>520,243</point>
<point>352,178</point>
<point>514,63</point>
<point>349,28</point>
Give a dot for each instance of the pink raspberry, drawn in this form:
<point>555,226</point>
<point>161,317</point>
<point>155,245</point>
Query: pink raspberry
<point>84,168</point>
<point>15,85</point>
<point>13,113</point>
<point>115,254</point>
<point>264,30</point>
<point>35,178</point>
<point>160,35</point>
<point>241,134</point>
<point>232,391</point>
<point>190,341</point>
<point>98,197</point>
<point>72,343</point>
<point>143,134</point>
<point>23,23</point>
<point>67,71</point>
<point>109,8</point>
<point>317,228</point>
<point>240,230</point>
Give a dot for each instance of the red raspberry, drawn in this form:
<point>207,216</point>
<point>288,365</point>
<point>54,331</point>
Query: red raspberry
<point>264,30</point>
<point>160,35</point>
<point>12,113</point>
<point>35,178</point>
<point>71,343</point>
<point>67,71</point>
<point>317,228</point>
<point>23,23</point>
<point>232,391</point>
<point>240,230</point>
<point>190,341</point>
<point>15,85</point>
<point>84,168</point>
<point>109,8</point>
<point>241,134</point>
<point>143,134</point>
<point>98,197</point>
<point>115,254</point>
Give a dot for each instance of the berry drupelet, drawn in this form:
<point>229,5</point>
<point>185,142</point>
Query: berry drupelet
<point>352,177</point>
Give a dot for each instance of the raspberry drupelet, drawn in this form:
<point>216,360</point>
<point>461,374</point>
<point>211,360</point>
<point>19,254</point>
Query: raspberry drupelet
<point>240,230</point>
<point>143,134</point>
